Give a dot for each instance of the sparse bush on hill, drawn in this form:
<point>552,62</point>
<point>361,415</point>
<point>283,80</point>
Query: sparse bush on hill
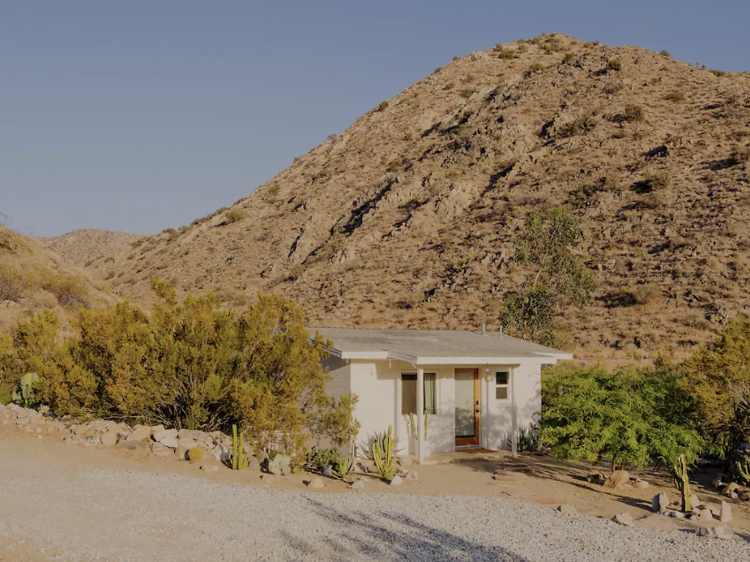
<point>740,156</point>
<point>233,215</point>
<point>658,180</point>
<point>534,68</point>
<point>12,283</point>
<point>614,64</point>
<point>383,106</point>
<point>675,96</point>
<point>665,54</point>
<point>634,113</point>
<point>647,294</point>
<point>506,54</point>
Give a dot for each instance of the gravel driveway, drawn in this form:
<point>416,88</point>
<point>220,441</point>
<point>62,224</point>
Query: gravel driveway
<point>117,515</point>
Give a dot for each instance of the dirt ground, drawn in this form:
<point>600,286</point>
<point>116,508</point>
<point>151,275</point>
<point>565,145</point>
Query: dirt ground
<point>533,479</point>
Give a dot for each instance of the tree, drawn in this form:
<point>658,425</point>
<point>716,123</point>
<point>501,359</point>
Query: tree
<point>630,417</point>
<point>718,376</point>
<point>557,277</point>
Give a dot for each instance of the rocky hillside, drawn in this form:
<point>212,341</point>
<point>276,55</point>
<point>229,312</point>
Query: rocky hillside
<point>407,218</point>
<point>33,277</point>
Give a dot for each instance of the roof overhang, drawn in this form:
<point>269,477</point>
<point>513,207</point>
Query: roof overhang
<point>546,359</point>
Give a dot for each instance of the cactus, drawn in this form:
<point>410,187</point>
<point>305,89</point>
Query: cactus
<point>239,460</point>
<point>343,469</point>
<point>743,470</point>
<point>382,453</point>
<point>196,454</point>
<point>24,395</point>
<point>680,475</point>
<point>413,425</point>
<point>280,464</point>
<point>426,424</point>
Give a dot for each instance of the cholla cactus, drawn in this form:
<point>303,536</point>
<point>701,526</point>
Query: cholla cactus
<point>239,460</point>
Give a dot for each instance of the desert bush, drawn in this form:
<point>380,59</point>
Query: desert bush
<point>69,290</point>
<point>634,113</point>
<point>233,215</point>
<point>740,156</point>
<point>449,86</point>
<point>658,180</point>
<point>569,57</point>
<point>614,64</point>
<point>534,68</point>
<point>383,106</point>
<point>718,73</point>
<point>466,93</point>
<point>675,96</point>
<point>665,53</point>
<point>506,54</point>
<point>318,459</point>
<point>187,365</point>
<point>12,283</point>
<point>647,294</point>
<point>718,377</point>
<point>582,124</point>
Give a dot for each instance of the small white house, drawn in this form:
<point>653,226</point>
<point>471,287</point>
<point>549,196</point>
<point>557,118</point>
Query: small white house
<point>477,389</point>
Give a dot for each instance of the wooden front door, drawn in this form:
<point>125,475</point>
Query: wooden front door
<point>467,407</point>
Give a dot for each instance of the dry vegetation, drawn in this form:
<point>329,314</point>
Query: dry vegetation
<point>33,278</point>
<point>407,218</point>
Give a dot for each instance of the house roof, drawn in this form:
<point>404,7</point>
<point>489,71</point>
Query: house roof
<point>437,347</point>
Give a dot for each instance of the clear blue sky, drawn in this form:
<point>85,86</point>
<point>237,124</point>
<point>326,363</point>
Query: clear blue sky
<point>141,115</point>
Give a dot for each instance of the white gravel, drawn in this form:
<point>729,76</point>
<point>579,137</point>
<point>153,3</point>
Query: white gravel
<point>128,516</point>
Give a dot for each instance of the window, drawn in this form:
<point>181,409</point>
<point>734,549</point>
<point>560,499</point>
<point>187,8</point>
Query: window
<point>409,393</point>
<point>502,382</point>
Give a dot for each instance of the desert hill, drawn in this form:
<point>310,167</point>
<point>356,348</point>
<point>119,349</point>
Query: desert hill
<point>407,218</point>
<point>32,278</point>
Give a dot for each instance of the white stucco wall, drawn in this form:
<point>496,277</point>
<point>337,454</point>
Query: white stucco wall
<point>378,385</point>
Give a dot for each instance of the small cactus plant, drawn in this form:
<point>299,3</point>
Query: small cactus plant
<point>280,464</point>
<point>196,454</point>
<point>383,448</point>
<point>681,480</point>
<point>239,460</point>
<point>343,469</point>
<point>743,470</point>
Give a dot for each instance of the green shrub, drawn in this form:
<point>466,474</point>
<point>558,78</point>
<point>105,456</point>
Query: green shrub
<point>534,68</point>
<point>12,283</point>
<point>507,54</point>
<point>614,64</point>
<point>665,53</point>
<point>634,113</point>
<point>466,93</point>
<point>318,459</point>
<point>569,57</point>
<point>718,73</point>
<point>383,106</point>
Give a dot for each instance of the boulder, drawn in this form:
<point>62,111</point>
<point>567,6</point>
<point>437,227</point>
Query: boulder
<point>706,516</point>
<point>209,468</point>
<point>623,519</point>
<point>568,509</point>
<point>253,464</point>
<point>618,479</point>
<point>715,533</point>
<point>221,453</point>
<point>180,453</point>
<point>730,489</point>
<point>677,514</point>
<point>160,435</point>
<point>140,447</point>
<point>327,472</point>
<point>660,503</point>
<point>725,515</point>
<point>358,485</point>
<point>141,433</point>
<point>170,442</point>
<point>694,501</point>
<point>109,438</point>
<point>155,428</point>
<point>186,443</point>
<point>412,475</point>
<point>193,434</point>
<point>161,450</point>
<point>641,484</point>
<point>397,481</point>
<point>595,478</point>
<point>316,483</point>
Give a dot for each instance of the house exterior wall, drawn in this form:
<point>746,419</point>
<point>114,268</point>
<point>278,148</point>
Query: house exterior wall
<point>378,385</point>
<point>340,382</point>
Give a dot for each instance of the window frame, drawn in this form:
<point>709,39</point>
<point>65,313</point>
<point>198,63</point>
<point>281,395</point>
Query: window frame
<point>505,386</point>
<point>410,374</point>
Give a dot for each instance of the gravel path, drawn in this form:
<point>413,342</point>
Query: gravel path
<point>115,515</point>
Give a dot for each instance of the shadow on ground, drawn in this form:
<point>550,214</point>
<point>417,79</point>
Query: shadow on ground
<point>385,537</point>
